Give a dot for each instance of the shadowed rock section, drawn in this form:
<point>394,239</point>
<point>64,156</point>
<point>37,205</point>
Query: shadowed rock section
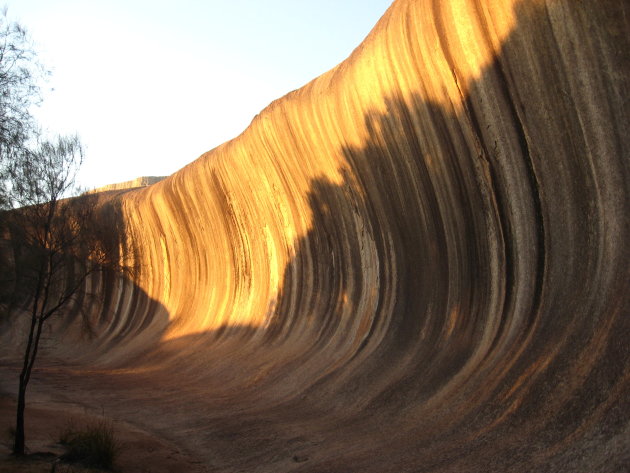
<point>417,262</point>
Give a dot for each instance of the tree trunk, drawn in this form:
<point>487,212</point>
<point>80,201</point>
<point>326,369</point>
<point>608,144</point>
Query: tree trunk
<point>25,375</point>
<point>18,445</point>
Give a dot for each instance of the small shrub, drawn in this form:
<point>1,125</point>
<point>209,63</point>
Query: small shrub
<point>93,446</point>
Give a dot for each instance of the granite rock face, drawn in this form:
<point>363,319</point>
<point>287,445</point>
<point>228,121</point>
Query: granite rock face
<point>419,261</point>
<point>143,181</point>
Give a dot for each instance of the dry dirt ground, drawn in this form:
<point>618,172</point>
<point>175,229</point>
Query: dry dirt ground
<point>140,451</point>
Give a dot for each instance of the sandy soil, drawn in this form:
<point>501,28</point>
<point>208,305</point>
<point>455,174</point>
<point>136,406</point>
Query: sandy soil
<point>140,451</point>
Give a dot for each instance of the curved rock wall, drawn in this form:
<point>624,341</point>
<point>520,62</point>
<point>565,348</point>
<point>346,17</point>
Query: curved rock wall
<point>419,261</point>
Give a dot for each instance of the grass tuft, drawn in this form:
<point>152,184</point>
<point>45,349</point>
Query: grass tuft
<point>92,446</point>
<point>68,432</point>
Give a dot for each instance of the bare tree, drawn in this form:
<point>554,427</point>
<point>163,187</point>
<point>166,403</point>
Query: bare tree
<point>49,244</point>
<point>56,246</point>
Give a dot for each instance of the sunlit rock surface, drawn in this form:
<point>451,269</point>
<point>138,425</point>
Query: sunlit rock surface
<point>419,261</point>
<point>134,183</point>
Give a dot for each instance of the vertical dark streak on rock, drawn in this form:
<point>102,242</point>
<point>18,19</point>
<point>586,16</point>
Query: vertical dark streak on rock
<point>534,192</point>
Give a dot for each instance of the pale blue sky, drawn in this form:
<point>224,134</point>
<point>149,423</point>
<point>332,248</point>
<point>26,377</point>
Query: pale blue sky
<point>150,85</point>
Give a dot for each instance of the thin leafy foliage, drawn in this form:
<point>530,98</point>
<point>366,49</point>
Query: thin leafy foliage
<point>20,77</point>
